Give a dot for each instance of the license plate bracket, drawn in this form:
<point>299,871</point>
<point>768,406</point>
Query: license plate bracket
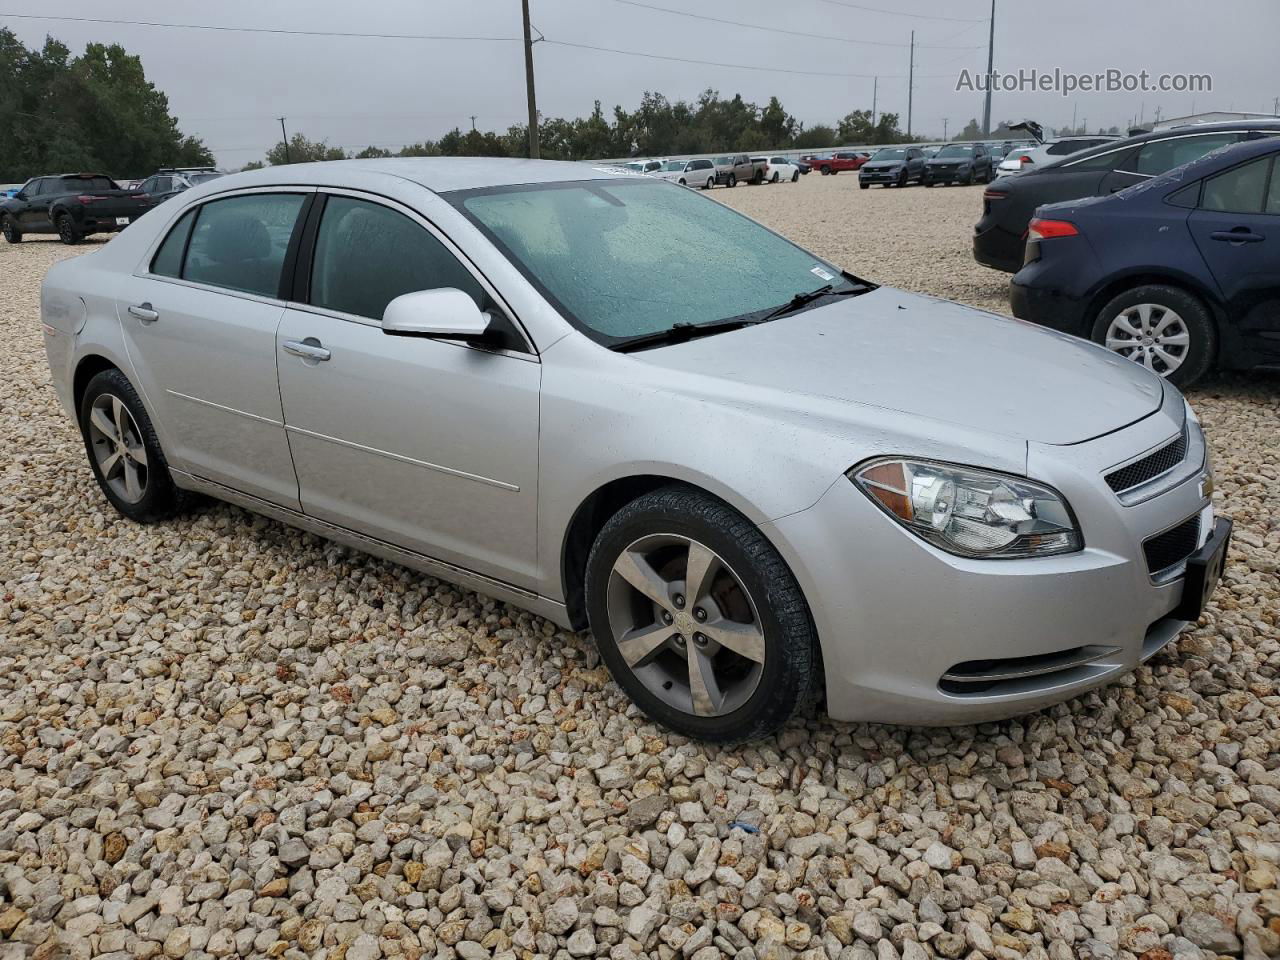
<point>1204,571</point>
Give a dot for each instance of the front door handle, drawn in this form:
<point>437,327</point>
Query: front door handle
<point>144,312</point>
<point>1237,235</point>
<point>308,349</point>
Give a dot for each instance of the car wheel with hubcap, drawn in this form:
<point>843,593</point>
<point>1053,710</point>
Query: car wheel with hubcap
<point>711,182</point>
<point>10,229</point>
<point>67,231</point>
<point>775,177</point>
<point>902,179</point>
<point>123,450</point>
<point>1166,329</point>
<point>732,181</point>
<point>699,619</point>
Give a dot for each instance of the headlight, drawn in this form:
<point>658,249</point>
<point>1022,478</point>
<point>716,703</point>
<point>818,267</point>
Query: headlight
<point>970,512</point>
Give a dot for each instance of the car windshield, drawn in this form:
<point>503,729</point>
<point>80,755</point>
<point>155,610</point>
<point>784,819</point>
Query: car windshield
<point>203,177</point>
<point>956,150</point>
<point>779,160</point>
<point>890,153</point>
<point>724,161</point>
<point>639,167</point>
<point>617,256</point>
<point>90,183</point>
<point>674,166</point>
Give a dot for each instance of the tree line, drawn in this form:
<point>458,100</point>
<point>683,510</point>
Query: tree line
<point>93,112</point>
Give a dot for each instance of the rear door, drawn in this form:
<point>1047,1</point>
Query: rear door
<point>1237,230</point>
<point>427,444</point>
<point>200,319</point>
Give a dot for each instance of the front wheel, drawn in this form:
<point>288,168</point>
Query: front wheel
<point>863,185</point>
<point>10,229</point>
<point>123,450</point>
<point>902,179</point>
<point>67,231</point>
<point>826,171</point>
<point>1166,329</point>
<point>682,183</point>
<point>732,181</point>
<point>699,619</point>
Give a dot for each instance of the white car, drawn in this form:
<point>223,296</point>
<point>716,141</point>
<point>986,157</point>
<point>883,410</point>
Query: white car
<point>645,166</point>
<point>1052,150</point>
<point>1015,161</point>
<point>778,169</point>
<point>688,173</point>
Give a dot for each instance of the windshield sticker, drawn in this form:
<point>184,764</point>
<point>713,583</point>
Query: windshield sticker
<point>823,274</point>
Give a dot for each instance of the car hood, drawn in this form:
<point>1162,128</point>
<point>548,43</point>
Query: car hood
<point>948,161</point>
<point>882,164</point>
<point>934,359</point>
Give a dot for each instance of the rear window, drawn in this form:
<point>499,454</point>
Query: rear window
<point>239,243</point>
<point>168,259</point>
<point>88,183</point>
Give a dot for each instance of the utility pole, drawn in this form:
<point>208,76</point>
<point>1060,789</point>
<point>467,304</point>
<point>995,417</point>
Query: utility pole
<point>285,135</point>
<point>991,66</point>
<point>1074,108</point>
<point>911,81</point>
<point>473,121</point>
<point>1275,106</point>
<point>875,88</point>
<point>944,128</point>
<point>528,82</point>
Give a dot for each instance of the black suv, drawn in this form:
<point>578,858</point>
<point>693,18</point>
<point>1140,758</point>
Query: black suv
<point>72,205</point>
<point>959,163</point>
<point>1009,203</point>
<point>170,181</point>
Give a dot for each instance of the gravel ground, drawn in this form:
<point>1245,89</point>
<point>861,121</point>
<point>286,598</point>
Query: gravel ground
<point>221,737</point>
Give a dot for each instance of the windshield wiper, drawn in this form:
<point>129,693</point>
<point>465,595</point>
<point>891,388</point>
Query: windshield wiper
<point>804,299</point>
<point>681,333</point>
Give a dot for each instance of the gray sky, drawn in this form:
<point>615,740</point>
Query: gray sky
<point>228,88</point>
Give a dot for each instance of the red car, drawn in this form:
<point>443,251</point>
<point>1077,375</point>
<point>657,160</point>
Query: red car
<point>845,160</point>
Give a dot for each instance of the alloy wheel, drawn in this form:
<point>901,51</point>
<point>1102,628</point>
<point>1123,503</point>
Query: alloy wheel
<point>66,229</point>
<point>685,625</point>
<point>118,448</point>
<point>1152,335</point>
<point>7,227</point>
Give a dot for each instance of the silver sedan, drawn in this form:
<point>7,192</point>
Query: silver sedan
<point>755,478</point>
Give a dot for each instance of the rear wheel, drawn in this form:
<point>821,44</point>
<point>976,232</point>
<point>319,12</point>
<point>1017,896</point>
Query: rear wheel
<point>10,229</point>
<point>123,450</point>
<point>699,619</point>
<point>67,231</point>
<point>1166,329</point>
<point>774,178</point>
<point>795,176</point>
<point>711,182</point>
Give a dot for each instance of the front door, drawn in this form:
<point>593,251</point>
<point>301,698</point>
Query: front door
<point>427,444</point>
<point>1237,230</point>
<point>200,324</point>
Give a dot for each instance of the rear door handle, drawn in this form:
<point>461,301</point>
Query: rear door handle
<point>1237,235</point>
<point>144,312</point>
<point>309,349</point>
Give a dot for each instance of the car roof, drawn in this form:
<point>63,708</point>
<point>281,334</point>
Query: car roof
<point>438,174</point>
<point>1195,130</point>
<point>1228,156</point>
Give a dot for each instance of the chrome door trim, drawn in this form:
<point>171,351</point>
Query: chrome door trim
<point>458,253</point>
<point>553,610</point>
<point>218,406</point>
<point>400,458</point>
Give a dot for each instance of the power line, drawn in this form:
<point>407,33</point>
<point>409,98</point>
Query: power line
<point>900,13</point>
<point>737,66</point>
<point>792,33</point>
<point>224,29</point>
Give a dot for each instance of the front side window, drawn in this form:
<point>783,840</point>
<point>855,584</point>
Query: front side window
<point>240,243</point>
<point>1161,156</point>
<point>367,255</point>
<point>1239,190</point>
<point>612,255</point>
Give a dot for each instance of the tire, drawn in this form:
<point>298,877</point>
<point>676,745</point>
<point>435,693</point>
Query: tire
<point>731,180</point>
<point>67,231</point>
<point>159,498</point>
<point>751,580</point>
<point>968,178</point>
<point>757,178</point>
<point>775,177</point>
<point>682,183</point>
<point>711,182</point>
<point>902,179</point>
<point>1191,316</point>
<point>795,176</point>
<point>10,229</point>
<point>927,183</point>
<point>863,186</point>
<point>826,171</point>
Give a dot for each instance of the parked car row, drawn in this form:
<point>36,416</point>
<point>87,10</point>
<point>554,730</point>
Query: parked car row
<point>726,171</point>
<point>75,205</point>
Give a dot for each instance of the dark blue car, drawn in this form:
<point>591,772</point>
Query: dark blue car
<point>1180,273</point>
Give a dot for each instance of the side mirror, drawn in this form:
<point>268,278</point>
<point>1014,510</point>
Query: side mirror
<point>444,314</point>
<point>20,195</point>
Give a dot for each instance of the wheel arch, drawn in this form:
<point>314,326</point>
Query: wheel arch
<point>1144,276</point>
<point>88,367</point>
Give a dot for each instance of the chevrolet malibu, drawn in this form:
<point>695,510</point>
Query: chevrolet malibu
<point>754,477</point>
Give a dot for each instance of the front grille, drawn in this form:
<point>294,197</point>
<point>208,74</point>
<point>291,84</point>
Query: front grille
<point>1151,466</point>
<point>1170,548</point>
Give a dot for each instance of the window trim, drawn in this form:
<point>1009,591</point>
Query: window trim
<point>301,286</point>
<point>143,269</point>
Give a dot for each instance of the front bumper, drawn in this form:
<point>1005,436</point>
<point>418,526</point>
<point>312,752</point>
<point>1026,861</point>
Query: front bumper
<point>946,174</point>
<point>879,176</point>
<point>899,620</point>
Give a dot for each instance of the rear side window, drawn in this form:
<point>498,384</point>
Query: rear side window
<point>240,243</point>
<point>1273,194</point>
<point>1239,190</point>
<point>367,255</point>
<point>168,259</point>
<point>1111,160</point>
<point>1064,148</point>
<point>1161,156</point>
